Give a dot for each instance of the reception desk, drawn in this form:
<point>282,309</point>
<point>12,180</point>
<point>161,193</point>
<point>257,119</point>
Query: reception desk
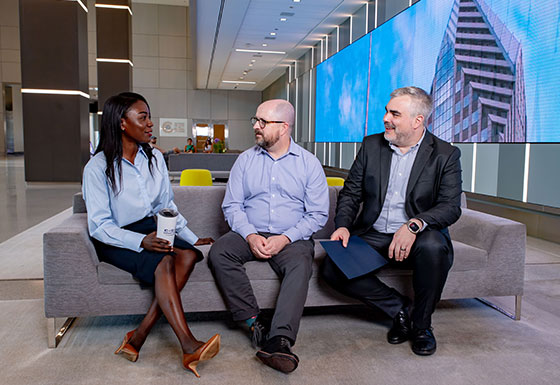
<point>218,164</point>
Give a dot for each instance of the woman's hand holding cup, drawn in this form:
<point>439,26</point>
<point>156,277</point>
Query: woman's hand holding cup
<point>152,243</point>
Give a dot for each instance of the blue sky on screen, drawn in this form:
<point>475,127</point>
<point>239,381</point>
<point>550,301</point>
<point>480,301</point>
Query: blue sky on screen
<point>404,52</point>
<point>341,94</point>
<point>536,24</point>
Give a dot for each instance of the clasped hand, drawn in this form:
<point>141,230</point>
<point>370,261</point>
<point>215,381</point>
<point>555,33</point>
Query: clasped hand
<point>265,248</point>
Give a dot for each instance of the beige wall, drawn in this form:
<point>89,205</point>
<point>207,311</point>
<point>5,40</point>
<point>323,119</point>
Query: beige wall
<point>163,72</point>
<point>9,41</point>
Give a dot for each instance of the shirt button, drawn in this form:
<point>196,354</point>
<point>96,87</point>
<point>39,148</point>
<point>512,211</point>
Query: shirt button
<point>400,173</point>
<point>273,178</point>
<point>271,211</point>
<point>273,195</point>
<point>396,193</point>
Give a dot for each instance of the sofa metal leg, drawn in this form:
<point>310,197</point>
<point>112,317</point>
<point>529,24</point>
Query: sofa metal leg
<point>518,307</point>
<point>516,316</point>
<point>53,335</point>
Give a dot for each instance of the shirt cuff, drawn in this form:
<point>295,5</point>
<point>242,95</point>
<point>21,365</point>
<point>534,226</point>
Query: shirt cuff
<point>133,241</point>
<point>247,229</point>
<point>293,234</point>
<point>187,235</point>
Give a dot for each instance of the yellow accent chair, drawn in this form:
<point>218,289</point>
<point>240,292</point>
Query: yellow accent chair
<point>195,177</point>
<point>335,181</point>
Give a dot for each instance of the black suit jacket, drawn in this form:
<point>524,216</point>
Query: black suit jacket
<point>433,193</point>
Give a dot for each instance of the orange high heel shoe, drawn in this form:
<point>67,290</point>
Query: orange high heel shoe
<point>127,350</point>
<point>203,353</point>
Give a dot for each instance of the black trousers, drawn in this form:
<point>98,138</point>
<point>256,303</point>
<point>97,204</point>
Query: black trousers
<point>430,259</point>
<point>293,265</point>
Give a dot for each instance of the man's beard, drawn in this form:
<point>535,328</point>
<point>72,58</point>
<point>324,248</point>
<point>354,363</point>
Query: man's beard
<point>266,143</point>
<point>399,137</point>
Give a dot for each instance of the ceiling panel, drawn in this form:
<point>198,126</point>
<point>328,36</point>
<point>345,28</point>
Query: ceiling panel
<point>246,24</point>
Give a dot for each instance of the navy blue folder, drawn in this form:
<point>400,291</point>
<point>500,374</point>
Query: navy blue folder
<point>357,259</point>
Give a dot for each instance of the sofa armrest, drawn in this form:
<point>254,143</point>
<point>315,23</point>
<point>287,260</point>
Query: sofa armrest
<point>483,230</point>
<point>69,257</point>
<point>503,239</point>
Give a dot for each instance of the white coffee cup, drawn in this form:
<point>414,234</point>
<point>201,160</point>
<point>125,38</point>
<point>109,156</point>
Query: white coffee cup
<point>166,223</point>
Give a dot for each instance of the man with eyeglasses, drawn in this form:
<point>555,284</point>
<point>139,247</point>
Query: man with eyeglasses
<point>276,198</point>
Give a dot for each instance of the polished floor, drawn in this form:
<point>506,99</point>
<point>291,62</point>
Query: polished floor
<point>23,205</point>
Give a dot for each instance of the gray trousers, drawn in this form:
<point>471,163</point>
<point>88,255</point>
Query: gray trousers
<point>293,265</point>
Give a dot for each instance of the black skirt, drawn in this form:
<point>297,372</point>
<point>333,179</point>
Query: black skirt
<point>142,265</point>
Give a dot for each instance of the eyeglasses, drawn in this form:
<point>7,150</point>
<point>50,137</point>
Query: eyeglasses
<point>262,122</point>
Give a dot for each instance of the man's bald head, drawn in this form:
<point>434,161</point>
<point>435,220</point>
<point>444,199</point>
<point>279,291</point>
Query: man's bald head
<point>278,109</point>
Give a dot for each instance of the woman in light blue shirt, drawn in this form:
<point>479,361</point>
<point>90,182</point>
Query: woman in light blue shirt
<point>125,184</point>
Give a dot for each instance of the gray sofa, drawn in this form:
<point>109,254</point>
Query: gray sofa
<point>489,261</point>
<point>218,164</point>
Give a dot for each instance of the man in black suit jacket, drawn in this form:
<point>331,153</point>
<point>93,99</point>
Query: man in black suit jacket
<point>409,184</point>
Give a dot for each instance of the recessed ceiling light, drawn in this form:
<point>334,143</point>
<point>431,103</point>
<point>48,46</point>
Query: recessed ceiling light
<point>250,65</point>
<point>265,45</point>
<point>297,1</point>
<point>253,60</point>
<point>237,82</point>
<point>283,19</point>
<point>273,34</point>
<point>259,51</point>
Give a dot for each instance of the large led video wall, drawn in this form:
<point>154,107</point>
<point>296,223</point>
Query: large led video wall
<point>491,66</point>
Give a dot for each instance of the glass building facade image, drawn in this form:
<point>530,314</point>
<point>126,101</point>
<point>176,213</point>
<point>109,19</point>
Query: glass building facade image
<point>478,87</point>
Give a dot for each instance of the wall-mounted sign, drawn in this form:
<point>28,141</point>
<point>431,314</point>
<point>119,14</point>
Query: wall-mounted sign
<point>174,127</point>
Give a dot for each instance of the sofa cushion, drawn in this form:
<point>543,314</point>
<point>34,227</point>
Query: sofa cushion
<point>204,216</point>
<point>328,229</point>
<point>466,258</point>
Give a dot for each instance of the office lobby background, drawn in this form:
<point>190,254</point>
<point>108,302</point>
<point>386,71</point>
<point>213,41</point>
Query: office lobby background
<point>513,180</point>
<point>476,344</point>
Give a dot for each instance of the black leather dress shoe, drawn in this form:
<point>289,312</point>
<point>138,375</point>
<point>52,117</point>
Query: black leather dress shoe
<point>400,331</point>
<point>259,330</point>
<point>423,342</point>
<point>277,354</point>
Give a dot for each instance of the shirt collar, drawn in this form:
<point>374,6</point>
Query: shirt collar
<point>294,149</point>
<point>141,151</point>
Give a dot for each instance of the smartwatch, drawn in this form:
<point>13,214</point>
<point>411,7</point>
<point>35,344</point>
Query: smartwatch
<point>413,227</point>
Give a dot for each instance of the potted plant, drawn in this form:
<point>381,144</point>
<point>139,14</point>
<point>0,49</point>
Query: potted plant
<point>218,146</point>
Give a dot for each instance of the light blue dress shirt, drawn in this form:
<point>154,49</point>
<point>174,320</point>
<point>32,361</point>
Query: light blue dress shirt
<point>140,195</point>
<point>393,214</point>
<point>286,196</point>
